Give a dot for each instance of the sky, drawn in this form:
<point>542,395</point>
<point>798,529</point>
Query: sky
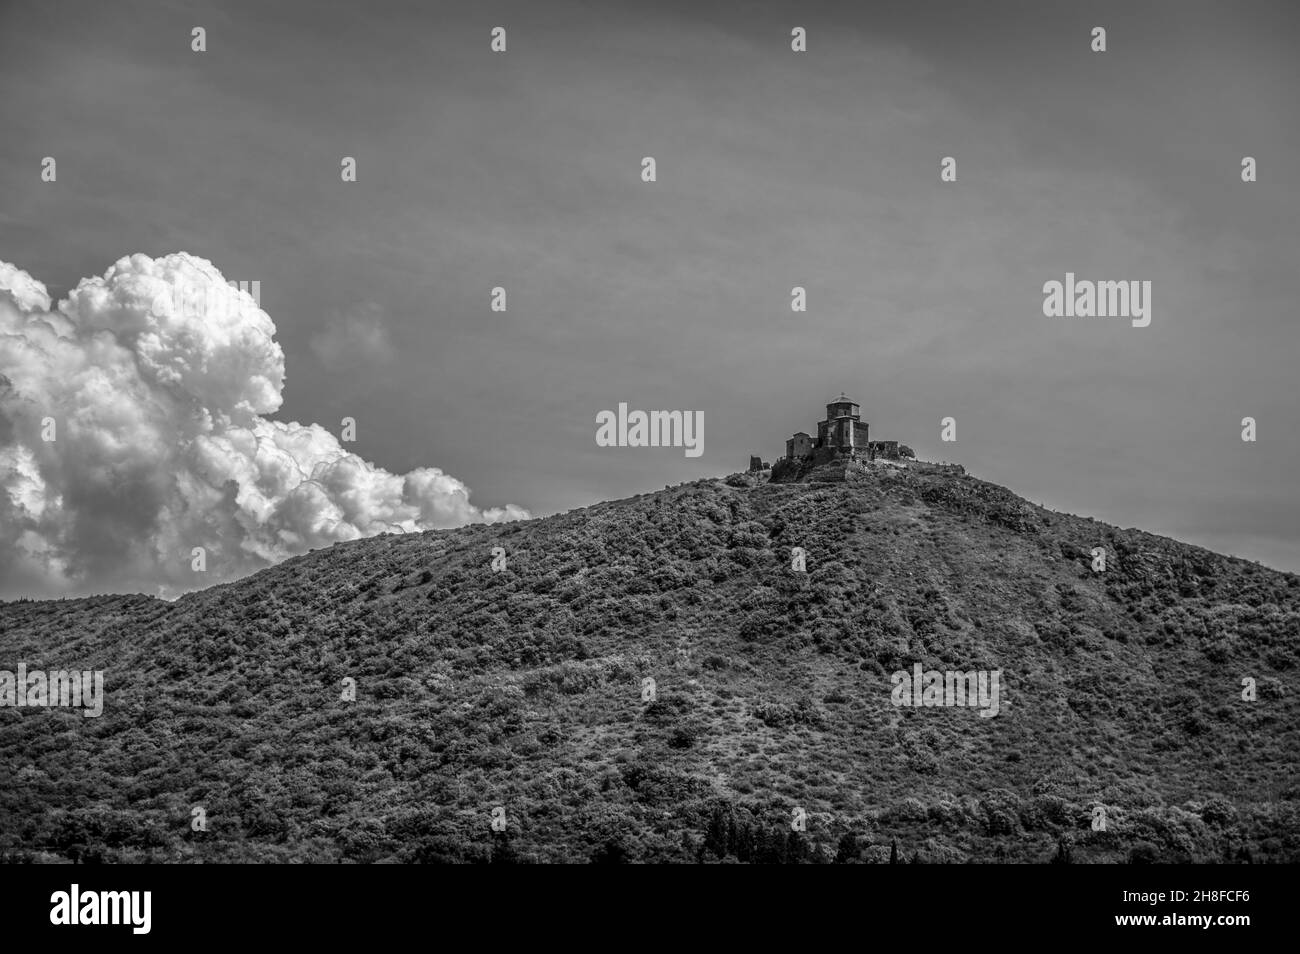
<point>820,169</point>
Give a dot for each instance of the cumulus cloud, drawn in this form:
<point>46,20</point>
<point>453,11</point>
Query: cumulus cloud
<point>155,382</point>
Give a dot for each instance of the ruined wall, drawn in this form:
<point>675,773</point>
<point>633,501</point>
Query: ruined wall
<point>927,467</point>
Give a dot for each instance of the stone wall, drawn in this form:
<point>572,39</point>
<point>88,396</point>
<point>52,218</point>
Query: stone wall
<point>884,449</point>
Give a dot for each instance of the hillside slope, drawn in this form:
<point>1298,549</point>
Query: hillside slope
<point>522,690</point>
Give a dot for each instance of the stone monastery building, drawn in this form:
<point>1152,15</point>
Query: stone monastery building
<point>842,434</point>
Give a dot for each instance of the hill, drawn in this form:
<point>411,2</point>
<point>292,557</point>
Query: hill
<point>522,690</point>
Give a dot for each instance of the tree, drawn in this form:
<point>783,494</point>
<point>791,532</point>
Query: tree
<point>1062,856</point>
<point>612,852</point>
<point>796,848</point>
<point>743,847</point>
<point>503,853</point>
<point>716,837</point>
<point>770,849</point>
<point>1143,853</point>
<point>893,852</point>
<point>847,850</point>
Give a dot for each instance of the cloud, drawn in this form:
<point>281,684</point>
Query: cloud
<point>358,336</point>
<point>156,380</point>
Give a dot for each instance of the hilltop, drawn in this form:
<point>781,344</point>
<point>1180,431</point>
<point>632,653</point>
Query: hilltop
<point>523,689</point>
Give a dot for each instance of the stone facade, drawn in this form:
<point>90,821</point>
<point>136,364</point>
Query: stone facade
<point>843,431</point>
<point>801,445</point>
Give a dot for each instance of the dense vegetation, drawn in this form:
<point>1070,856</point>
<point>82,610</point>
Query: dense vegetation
<point>523,690</point>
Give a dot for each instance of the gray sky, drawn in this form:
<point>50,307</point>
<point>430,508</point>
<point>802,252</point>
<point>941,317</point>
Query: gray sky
<point>775,169</point>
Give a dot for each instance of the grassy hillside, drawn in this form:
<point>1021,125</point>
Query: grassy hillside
<point>522,689</point>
